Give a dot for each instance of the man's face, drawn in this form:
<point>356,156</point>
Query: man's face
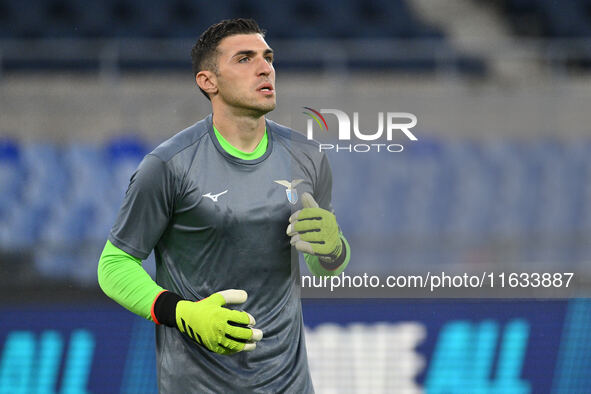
<point>246,77</point>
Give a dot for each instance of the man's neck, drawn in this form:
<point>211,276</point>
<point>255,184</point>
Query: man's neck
<point>242,132</point>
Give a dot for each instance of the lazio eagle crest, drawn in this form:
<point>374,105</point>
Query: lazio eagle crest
<point>292,193</point>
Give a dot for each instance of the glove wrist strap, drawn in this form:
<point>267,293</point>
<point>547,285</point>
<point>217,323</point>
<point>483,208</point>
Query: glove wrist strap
<point>164,308</point>
<point>332,264</point>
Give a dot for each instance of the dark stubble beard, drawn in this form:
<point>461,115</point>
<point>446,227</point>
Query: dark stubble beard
<point>251,110</point>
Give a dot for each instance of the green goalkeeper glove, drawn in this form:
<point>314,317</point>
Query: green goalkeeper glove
<point>207,322</point>
<point>315,231</point>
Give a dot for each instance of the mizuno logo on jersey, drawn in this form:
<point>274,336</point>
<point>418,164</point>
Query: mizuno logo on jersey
<point>292,193</point>
<point>214,197</point>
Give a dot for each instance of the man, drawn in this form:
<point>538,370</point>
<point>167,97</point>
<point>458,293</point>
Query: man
<point>215,203</point>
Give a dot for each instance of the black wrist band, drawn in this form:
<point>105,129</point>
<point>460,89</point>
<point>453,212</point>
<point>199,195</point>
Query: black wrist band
<point>336,263</point>
<point>165,308</point>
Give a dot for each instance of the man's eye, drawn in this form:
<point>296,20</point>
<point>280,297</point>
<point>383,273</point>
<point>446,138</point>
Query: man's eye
<point>269,59</point>
<point>243,60</point>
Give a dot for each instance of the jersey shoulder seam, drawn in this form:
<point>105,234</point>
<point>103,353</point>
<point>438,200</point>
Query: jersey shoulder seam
<point>180,148</point>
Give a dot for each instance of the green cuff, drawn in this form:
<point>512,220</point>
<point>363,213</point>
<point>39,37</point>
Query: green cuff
<point>318,268</point>
<point>122,277</point>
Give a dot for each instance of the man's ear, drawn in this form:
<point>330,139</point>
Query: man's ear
<point>207,81</point>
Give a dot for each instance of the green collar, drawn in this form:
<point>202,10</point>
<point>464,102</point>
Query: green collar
<point>258,151</point>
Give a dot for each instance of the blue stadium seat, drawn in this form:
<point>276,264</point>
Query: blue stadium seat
<point>94,19</point>
<point>88,176</point>
<point>548,17</point>
<point>20,231</point>
<point>27,19</point>
<point>11,174</point>
<point>63,18</point>
<point>183,18</point>
<point>47,181</point>
<point>123,155</point>
<point>443,201</point>
<point>292,19</point>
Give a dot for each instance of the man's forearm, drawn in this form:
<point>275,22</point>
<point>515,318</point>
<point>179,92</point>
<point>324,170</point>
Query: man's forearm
<point>122,277</point>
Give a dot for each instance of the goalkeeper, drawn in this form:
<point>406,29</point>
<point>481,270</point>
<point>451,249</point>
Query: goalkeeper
<point>220,203</point>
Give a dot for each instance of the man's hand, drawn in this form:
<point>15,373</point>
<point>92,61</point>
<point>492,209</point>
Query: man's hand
<point>207,322</point>
<point>315,231</point>
<point>219,329</point>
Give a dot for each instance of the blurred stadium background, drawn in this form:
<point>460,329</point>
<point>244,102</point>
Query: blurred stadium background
<point>500,179</point>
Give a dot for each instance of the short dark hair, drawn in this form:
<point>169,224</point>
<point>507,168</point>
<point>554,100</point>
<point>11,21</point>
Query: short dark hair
<point>204,51</point>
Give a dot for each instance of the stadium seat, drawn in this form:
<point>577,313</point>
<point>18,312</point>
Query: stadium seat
<point>47,181</point>
<point>11,174</point>
<point>443,201</point>
<point>122,20</point>
<point>123,154</point>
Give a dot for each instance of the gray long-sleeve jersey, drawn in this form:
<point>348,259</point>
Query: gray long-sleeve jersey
<point>218,222</point>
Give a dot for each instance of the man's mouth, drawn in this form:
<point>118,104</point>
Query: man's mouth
<point>266,88</point>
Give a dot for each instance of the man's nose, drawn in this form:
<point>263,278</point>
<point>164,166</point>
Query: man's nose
<point>264,67</point>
